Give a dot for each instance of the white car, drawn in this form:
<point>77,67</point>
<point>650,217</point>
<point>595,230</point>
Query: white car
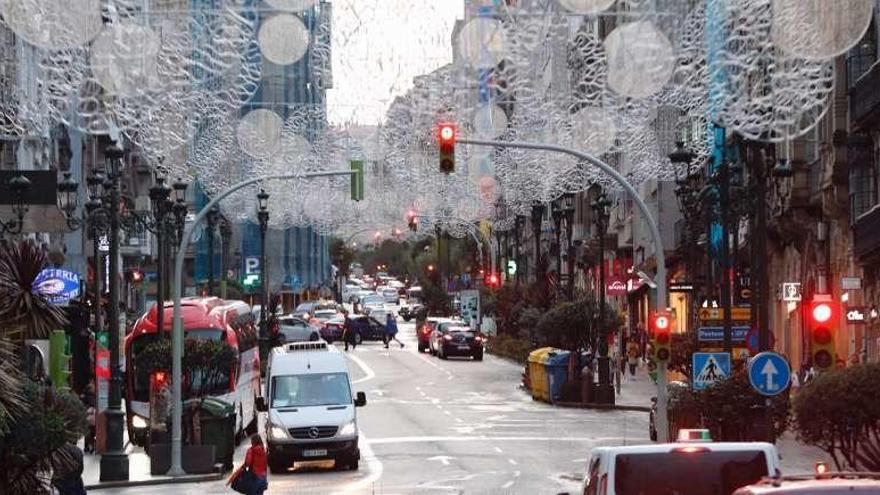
<point>372,302</point>
<point>311,409</point>
<point>681,468</point>
<point>349,292</point>
<point>391,295</point>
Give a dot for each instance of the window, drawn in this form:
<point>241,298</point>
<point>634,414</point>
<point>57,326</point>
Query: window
<point>862,175</point>
<point>688,473</point>
<point>862,56</point>
<point>325,389</point>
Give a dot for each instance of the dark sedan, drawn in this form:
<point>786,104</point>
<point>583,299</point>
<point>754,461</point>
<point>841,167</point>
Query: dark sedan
<point>458,340</point>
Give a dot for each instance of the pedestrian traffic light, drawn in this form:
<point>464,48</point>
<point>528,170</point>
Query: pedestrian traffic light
<point>823,313</point>
<point>662,325</point>
<point>446,139</point>
<point>59,359</point>
<point>493,280</point>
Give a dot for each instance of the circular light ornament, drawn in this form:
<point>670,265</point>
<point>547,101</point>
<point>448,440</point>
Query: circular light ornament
<point>586,6</point>
<point>821,313</point>
<point>291,5</point>
<point>283,39</point>
<point>259,133</point>
<point>594,130</point>
<point>482,42</point>
<point>819,29</point>
<point>53,24</point>
<point>124,59</point>
<point>640,59</point>
<point>490,121</point>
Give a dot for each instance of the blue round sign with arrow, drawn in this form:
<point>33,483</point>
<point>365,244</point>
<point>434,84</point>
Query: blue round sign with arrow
<point>769,373</point>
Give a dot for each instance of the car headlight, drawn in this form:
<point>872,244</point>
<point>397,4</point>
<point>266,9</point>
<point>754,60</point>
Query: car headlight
<point>348,429</point>
<point>278,433</point>
<point>138,422</point>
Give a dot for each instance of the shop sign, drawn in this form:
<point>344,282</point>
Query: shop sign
<point>791,292</point>
<point>681,287</point>
<point>57,285</point>
<point>616,287</point>
<point>850,283</point>
<point>856,314</point>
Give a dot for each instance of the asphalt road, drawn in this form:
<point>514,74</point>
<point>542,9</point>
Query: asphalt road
<point>456,426</point>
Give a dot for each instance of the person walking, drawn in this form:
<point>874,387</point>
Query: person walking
<point>632,358</point>
<point>88,399</point>
<point>391,330</point>
<point>348,333</point>
<point>253,471</point>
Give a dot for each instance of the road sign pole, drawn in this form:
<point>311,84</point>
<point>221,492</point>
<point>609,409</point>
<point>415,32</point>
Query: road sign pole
<point>661,302</point>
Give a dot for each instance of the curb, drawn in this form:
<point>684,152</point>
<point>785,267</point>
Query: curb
<point>594,405</point>
<point>168,480</point>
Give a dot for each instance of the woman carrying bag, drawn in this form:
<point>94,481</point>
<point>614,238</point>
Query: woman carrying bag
<point>250,477</point>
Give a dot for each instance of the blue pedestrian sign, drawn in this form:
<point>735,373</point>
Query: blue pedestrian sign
<point>709,367</point>
<point>769,373</point>
<point>295,283</point>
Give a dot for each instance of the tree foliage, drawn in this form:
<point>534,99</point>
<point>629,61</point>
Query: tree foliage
<point>341,255</point>
<point>24,313</point>
<point>839,412</point>
<point>31,449</point>
<point>206,363</point>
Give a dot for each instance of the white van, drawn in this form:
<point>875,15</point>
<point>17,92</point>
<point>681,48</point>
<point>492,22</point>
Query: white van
<point>682,468</point>
<point>311,408</point>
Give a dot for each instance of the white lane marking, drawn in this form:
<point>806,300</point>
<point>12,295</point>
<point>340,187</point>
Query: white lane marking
<point>498,449</point>
<point>516,474</point>
<point>507,485</point>
<point>369,374</point>
<point>458,420</point>
<point>447,413</point>
<point>374,466</point>
<point>442,458</point>
<point>512,462</point>
<point>484,438</point>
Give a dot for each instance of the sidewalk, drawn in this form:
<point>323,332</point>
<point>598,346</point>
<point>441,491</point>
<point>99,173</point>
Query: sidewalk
<point>139,471</point>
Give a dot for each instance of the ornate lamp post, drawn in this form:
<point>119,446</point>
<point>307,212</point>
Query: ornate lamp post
<point>226,239</point>
<point>263,219</point>
<point>518,226</point>
<point>688,186</point>
<point>104,215</point>
<point>19,185</point>
<point>605,389</point>
<point>212,219</point>
<point>537,219</point>
<point>160,201</point>
<point>567,205</point>
<point>557,214</point>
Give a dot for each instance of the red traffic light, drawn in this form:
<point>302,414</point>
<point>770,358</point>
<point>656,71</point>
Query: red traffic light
<point>446,133</point>
<point>822,312</point>
<point>661,322</point>
<point>493,279</point>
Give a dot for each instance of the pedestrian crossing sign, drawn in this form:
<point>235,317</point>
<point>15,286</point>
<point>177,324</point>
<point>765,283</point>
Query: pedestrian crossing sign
<point>709,367</point>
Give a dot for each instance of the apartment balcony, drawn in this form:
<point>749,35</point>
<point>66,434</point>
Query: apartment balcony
<point>864,98</point>
<point>866,235</point>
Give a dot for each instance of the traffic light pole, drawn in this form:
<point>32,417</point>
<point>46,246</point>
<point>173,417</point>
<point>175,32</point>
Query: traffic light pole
<point>661,302</point>
<point>177,318</point>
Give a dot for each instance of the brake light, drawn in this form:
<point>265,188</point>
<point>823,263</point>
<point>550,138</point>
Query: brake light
<point>447,337</point>
<point>690,450</point>
<point>478,339</point>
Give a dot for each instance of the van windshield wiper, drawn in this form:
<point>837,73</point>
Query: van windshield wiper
<point>287,409</point>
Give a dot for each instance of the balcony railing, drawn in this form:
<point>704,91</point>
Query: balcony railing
<point>866,235</point>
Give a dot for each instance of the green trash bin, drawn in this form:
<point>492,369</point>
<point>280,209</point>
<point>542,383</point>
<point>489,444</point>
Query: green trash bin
<point>217,420</point>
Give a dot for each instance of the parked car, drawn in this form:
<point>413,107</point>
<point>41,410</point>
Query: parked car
<point>297,333</point>
<point>688,468</point>
<point>424,331</point>
<point>458,340</point>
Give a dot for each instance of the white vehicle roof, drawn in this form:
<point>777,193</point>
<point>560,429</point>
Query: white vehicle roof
<point>303,358</point>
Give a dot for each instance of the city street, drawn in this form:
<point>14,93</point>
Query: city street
<point>455,426</point>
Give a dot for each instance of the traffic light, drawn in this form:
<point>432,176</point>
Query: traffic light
<point>357,180</point>
<point>446,139</point>
<point>412,220</point>
<point>134,276</point>
<point>823,313</point>
<point>662,326</point>
<point>493,280</point>
<point>59,359</point>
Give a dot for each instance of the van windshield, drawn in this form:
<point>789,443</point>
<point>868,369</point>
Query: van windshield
<point>325,389</point>
<point>703,472</point>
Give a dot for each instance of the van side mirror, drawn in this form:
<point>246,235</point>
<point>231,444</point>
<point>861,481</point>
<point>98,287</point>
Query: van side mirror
<point>360,400</point>
<point>261,404</point>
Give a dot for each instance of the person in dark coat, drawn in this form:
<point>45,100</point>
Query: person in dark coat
<point>391,330</point>
<point>348,333</point>
<point>69,480</point>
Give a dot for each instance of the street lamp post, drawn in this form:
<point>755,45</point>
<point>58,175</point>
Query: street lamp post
<point>263,219</point>
<point>556,214</point>
<point>225,238</point>
<point>211,220</point>
<point>568,214</point>
<point>605,389</point>
<point>537,219</point>
<point>518,226</point>
<point>19,186</point>
<point>159,197</point>
<point>102,214</point>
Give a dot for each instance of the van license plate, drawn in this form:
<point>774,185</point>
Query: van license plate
<point>463,347</point>
<point>314,453</point>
